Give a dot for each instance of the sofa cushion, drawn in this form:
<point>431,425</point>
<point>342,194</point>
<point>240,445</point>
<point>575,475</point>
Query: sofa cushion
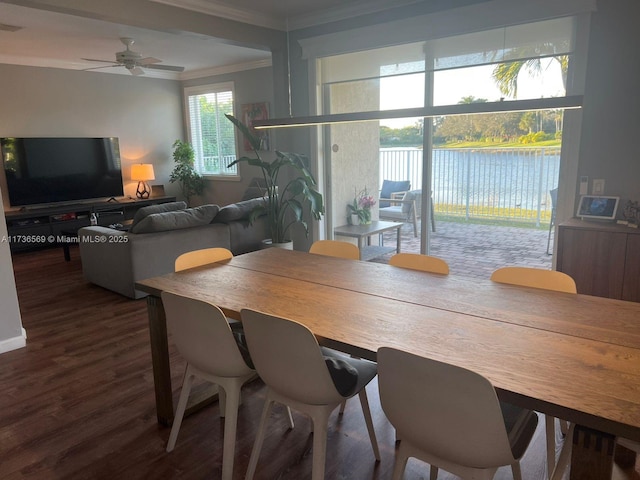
<point>238,211</point>
<point>389,187</point>
<point>406,207</point>
<point>144,212</point>
<point>175,220</point>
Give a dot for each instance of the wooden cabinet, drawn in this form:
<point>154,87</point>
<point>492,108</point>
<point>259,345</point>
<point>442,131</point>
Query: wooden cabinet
<point>39,227</point>
<point>603,258</point>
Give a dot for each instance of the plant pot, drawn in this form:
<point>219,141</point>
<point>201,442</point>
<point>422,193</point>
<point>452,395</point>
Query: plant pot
<point>355,219</point>
<point>267,243</point>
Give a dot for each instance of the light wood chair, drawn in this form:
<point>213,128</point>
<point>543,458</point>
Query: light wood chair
<point>535,278</point>
<point>200,257</point>
<point>450,417</point>
<point>298,374</point>
<point>335,248</point>
<point>417,261</point>
<point>204,338</point>
<point>546,280</point>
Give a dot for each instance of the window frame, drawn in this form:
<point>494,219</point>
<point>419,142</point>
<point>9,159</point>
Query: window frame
<point>202,90</point>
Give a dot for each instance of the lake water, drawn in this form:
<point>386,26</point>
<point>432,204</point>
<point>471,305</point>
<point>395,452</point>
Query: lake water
<point>495,182</point>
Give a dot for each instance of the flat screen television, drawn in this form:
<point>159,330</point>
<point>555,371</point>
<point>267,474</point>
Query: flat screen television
<point>48,170</point>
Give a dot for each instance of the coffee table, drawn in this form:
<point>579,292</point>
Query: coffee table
<point>362,232</point>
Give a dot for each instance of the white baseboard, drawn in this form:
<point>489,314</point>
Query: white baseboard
<point>13,343</point>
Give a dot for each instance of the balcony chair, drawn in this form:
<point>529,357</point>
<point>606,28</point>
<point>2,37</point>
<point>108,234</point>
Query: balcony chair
<point>204,256</point>
<point>417,261</point>
<point>391,189</point>
<point>406,208</point>
<point>204,338</point>
<point>299,374</point>
<point>335,248</point>
<point>552,223</point>
<point>450,417</point>
<point>546,280</point>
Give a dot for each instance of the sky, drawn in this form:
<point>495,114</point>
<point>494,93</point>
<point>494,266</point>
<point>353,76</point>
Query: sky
<point>452,85</point>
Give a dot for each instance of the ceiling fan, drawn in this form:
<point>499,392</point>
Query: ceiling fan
<point>133,61</point>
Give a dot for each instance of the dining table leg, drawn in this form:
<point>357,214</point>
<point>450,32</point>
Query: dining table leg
<point>160,360</point>
<point>591,454</point>
<point>201,395</point>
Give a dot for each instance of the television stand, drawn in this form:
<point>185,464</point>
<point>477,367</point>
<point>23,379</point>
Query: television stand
<point>29,229</point>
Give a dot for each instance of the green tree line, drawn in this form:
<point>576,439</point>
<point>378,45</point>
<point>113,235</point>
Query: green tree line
<point>520,127</point>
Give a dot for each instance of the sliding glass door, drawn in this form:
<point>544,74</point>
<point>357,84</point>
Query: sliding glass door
<point>470,174</point>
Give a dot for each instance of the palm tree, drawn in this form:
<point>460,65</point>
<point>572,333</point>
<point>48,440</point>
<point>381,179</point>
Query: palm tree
<point>506,74</point>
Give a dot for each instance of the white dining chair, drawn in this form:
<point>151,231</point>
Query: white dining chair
<point>335,248</point>
<point>301,375</point>
<point>196,258</point>
<point>545,280</point>
<point>450,417</point>
<point>420,262</point>
<point>204,338</point>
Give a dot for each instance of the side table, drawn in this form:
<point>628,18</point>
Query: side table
<point>362,232</point>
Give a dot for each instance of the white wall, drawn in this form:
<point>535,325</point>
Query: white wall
<point>10,322</point>
<point>611,120</point>
<point>146,115</point>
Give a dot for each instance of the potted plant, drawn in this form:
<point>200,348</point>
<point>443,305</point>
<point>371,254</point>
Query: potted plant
<point>360,208</point>
<point>283,205</point>
<point>191,182</point>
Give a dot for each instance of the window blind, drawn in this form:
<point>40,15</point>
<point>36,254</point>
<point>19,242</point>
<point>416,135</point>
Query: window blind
<point>211,134</point>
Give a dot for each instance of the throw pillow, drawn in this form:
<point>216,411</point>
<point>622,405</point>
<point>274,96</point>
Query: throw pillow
<point>176,220</point>
<point>406,207</point>
<point>343,374</point>
<point>144,212</point>
<point>238,211</point>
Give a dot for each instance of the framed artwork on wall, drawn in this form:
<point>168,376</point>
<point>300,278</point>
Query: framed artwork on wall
<point>256,111</point>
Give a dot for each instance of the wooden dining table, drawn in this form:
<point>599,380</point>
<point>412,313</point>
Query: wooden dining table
<point>575,357</point>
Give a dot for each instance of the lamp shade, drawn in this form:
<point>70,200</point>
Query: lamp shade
<point>142,172</point>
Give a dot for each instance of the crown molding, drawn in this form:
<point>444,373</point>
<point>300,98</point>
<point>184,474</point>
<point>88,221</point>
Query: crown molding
<point>353,9</point>
<point>238,67</point>
<point>217,9</point>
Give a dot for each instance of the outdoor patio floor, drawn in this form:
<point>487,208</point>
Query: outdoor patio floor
<point>474,250</point>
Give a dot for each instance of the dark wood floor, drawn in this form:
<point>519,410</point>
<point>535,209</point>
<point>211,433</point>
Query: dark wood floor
<point>77,402</point>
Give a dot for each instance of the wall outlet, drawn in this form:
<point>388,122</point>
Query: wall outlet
<point>598,186</point>
<point>584,185</point>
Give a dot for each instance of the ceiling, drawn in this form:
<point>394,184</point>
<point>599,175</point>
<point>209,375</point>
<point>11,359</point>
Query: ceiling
<point>51,39</point>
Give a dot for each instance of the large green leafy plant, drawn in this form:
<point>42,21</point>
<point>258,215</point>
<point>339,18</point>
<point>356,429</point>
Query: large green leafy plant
<point>191,182</point>
<point>284,206</point>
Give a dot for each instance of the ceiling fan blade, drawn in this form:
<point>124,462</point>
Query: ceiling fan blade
<point>101,61</point>
<point>136,71</point>
<point>103,66</point>
<point>147,61</point>
<point>170,68</point>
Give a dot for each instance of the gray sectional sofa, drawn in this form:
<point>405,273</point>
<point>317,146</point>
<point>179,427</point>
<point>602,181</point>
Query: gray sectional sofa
<point>158,235</point>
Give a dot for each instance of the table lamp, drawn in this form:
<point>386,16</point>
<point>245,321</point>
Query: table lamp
<point>142,172</point>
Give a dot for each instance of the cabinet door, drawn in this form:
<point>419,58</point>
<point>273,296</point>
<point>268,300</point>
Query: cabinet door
<point>594,259</point>
<point>631,289</point>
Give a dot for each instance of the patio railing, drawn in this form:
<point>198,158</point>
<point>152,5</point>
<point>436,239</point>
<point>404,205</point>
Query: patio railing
<point>503,184</point>
<point>216,165</point>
